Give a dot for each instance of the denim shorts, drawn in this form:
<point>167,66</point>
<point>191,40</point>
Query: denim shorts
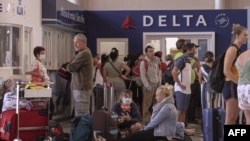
<point>182,101</point>
<point>229,90</point>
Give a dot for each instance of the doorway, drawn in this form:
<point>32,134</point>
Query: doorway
<point>104,45</point>
<point>165,41</point>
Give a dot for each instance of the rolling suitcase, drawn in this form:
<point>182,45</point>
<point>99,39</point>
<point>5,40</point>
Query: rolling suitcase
<point>99,97</point>
<point>32,124</point>
<point>105,121</point>
<point>21,124</point>
<point>213,124</point>
<point>104,96</point>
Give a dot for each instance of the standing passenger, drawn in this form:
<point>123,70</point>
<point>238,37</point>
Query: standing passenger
<point>112,72</point>
<point>179,45</point>
<point>82,77</point>
<point>151,79</point>
<point>37,70</point>
<point>182,77</point>
<point>243,67</point>
<point>239,37</point>
<point>203,77</point>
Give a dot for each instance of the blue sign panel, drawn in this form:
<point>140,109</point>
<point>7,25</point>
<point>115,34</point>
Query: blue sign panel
<point>116,24</point>
<point>63,13</point>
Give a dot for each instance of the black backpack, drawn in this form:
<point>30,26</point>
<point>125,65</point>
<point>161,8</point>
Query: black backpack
<point>168,77</point>
<point>216,76</point>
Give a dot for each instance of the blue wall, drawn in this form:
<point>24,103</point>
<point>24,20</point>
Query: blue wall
<point>107,24</point>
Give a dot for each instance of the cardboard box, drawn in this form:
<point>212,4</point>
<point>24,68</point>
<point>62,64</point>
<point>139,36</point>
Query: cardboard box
<point>37,93</point>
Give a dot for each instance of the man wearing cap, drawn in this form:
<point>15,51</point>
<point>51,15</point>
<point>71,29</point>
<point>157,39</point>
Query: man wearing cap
<point>182,72</point>
<point>151,79</point>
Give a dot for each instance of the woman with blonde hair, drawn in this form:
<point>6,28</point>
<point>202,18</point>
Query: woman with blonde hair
<point>239,37</point>
<point>163,124</point>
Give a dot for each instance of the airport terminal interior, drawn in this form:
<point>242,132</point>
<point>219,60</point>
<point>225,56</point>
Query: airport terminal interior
<point>130,26</point>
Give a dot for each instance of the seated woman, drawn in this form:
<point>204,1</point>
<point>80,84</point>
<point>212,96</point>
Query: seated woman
<point>163,124</point>
<point>128,112</point>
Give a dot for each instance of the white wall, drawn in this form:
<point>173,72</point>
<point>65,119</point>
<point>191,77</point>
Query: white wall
<point>147,4</point>
<point>31,18</point>
<point>236,4</point>
<point>161,4</point>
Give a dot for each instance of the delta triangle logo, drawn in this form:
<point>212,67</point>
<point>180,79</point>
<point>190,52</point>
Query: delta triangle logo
<point>128,23</point>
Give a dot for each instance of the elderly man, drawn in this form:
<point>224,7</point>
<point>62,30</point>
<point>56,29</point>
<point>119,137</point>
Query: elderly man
<point>81,68</point>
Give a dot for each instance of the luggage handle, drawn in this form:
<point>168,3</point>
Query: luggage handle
<point>108,85</point>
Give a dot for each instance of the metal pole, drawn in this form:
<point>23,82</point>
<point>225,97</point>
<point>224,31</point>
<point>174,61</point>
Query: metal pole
<point>17,109</point>
<point>111,96</point>
<point>105,99</point>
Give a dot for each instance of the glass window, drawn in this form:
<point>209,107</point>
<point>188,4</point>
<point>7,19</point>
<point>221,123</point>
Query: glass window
<point>10,46</point>
<point>203,43</point>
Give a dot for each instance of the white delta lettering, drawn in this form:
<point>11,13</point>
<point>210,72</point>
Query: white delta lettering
<point>235,132</point>
<point>162,20</point>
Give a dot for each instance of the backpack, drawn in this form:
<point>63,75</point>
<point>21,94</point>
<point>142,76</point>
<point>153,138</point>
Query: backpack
<point>136,67</point>
<point>81,128</point>
<point>105,124</point>
<point>168,77</point>
<point>56,131</point>
<point>216,76</point>
<point>136,70</point>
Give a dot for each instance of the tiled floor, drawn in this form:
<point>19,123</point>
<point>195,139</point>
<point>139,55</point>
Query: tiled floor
<point>197,137</point>
<point>198,134</point>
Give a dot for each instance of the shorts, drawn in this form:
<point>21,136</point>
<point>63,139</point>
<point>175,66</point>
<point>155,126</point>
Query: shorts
<point>182,101</point>
<point>244,96</point>
<point>229,90</point>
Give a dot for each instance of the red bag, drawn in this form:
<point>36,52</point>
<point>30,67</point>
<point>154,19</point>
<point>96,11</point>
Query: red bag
<point>37,79</point>
<point>32,124</point>
<point>136,71</point>
<point>62,72</point>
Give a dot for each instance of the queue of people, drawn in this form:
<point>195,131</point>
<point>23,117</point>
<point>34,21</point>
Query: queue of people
<point>165,107</point>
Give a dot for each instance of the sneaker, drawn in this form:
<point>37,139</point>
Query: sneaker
<point>189,132</point>
<point>189,129</point>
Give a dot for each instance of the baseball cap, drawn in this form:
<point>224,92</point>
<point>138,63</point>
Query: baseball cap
<point>149,45</point>
<point>190,46</point>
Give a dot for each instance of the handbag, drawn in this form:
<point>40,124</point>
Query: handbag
<point>37,79</point>
<point>62,72</point>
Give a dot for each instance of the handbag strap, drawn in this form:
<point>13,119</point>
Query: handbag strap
<point>114,67</point>
<point>95,74</point>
